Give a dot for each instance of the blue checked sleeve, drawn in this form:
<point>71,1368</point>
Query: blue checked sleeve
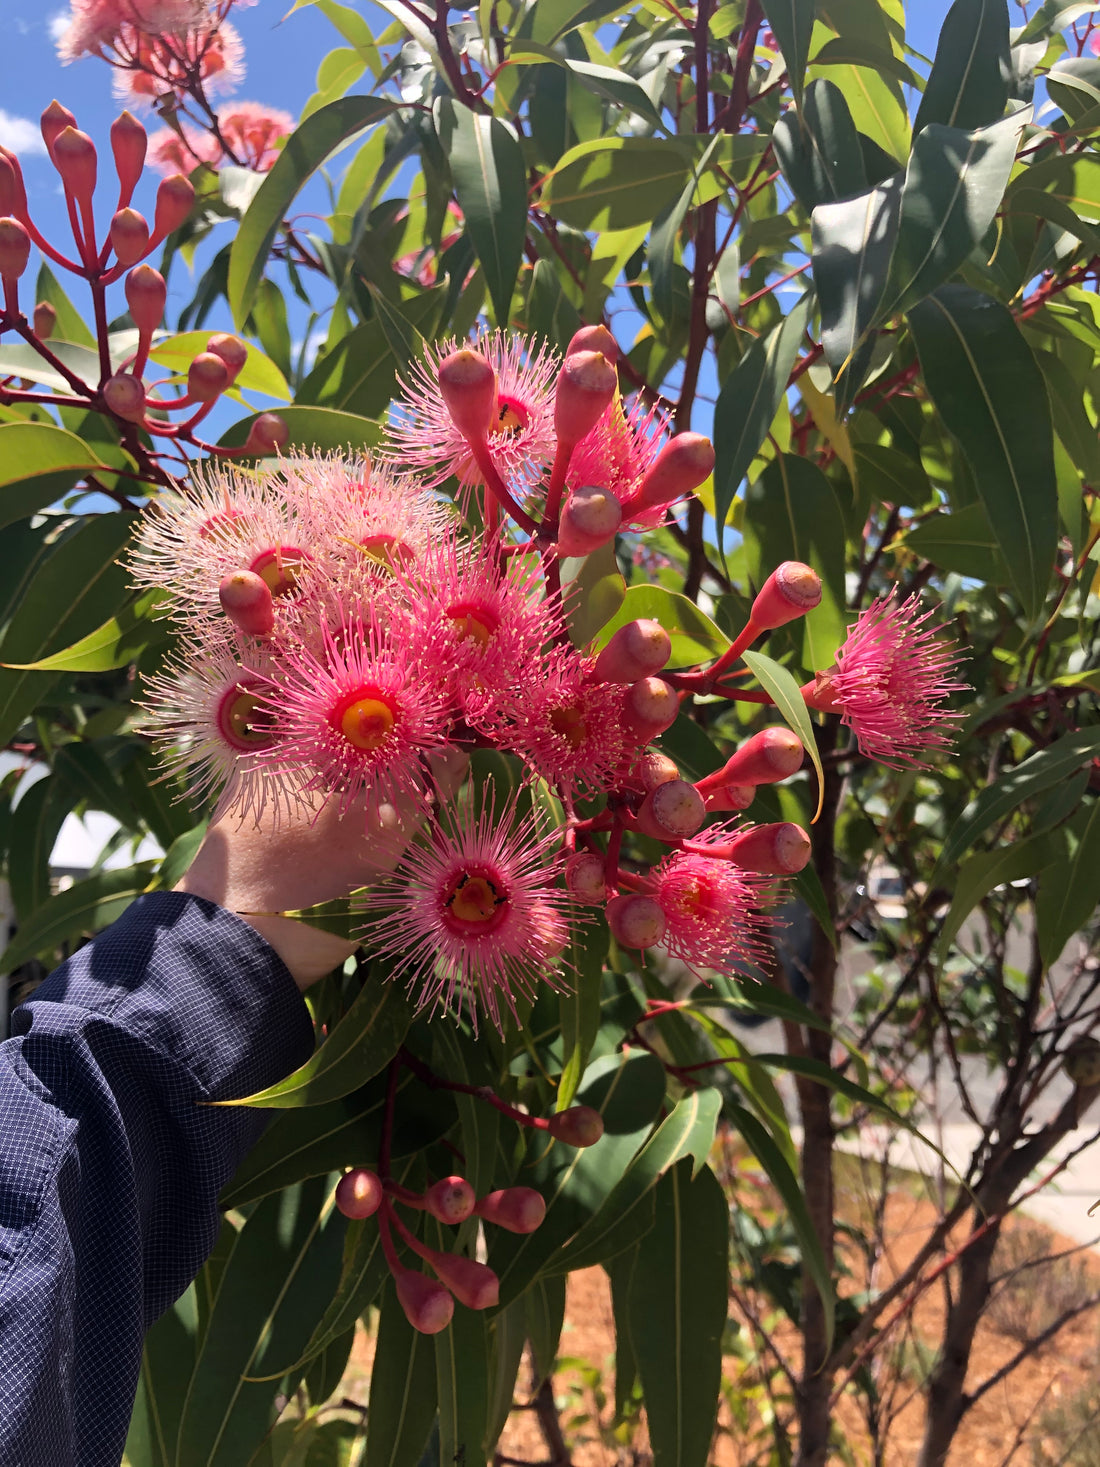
<point>110,1166</point>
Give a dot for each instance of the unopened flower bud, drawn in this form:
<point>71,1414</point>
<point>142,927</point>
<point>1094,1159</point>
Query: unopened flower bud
<point>146,294</point>
<point>590,518</point>
<point>207,377</point>
<point>428,1306</point>
<point>175,196</point>
<point>129,236</point>
<point>681,466</point>
<point>247,601</point>
<point>451,1199</point>
<point>124,395</point>
<point>359,1193</point>
<point>580,1125</point>
<point>74,157</point>
<point>774,850</point>
<point>128,143</point>
<point>635,651</point>
<point>15,249</point>
<point>53,123</point>
<point>635,920</point>
<point>232,351</point>
<point>586,384</point>
<point>790,591</point>
<point>729,797</point>
<point>45,319</point>
<point>473,1284</point>
<point>653,769</point>
<point>13,198</point>
<point>770,755</point>
<point>586,878</point>
<point>650,706</point>
<point>468,386</point>
<point>673,811</point>
<point>267,435</point>
<point>594,338</point>
<point>516,1209</point>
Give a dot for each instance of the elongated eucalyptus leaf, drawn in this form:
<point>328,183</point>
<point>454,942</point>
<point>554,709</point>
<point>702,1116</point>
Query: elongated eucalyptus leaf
<point>616,182</point>
<point>982,871</point>
<point>490,182</point>
<point>462,1385</point>
<point>119,641</point>
<point>1067,889</point>
<point>38,463</point>
<point>545,1301</point>
<point>35,823</point>
<point>978,367</point>
<point>792,23</point>
<point>968,84</point>
<point>776,680</point>
<point>86,907</point>
<point>579,1006</point>
<point>678,1313</point>
<point>167,1360</point>
<point>592,590</point>
<point>818,147</point>
<point>403,1390</point>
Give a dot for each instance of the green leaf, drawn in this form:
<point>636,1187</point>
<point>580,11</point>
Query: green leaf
<point>616,182</point>
<point>118,642</point>
<point>620,1273</point>
<point>305,151</point>
<point>777,681</point>
<point>83,769</point>
<point>1071,419</point>
<point>678,1301</point>
<point>70,323</point>
<point>953,188</point>
<point>362,1275</point>
<point>508,1336</point>
<point>490,182</point>
<point>978,369</point>
<point>792,512</point>
<point>462,1384</point>
<point>792,23</point>
<point>818,148</point>
<point>592,591</point>
<point>361,1044</point>
<point>695,638</point>
<point>1044,769</point>
<point>545,1301</point>
<point>259,373</point>
<point>963,542</point>
<point>38,464</point>
<point>968,84</point>
<point>751,396</point>
<point>283,1266</point>
<point>316,428</point>
<point>1067,891</point>
<point>86,907</point>
<point>877,105</point>
<point>403,1394</point>
<point>179,855</point>
<point>853,243</point>
<point>359,374</point>
<point>603,81</point>
<point>167,1361</point>
<point>35,824</point>
<point>579,1006</point>
<point>661,248</point>
<point>977,876</point>
<point>687,1132</point>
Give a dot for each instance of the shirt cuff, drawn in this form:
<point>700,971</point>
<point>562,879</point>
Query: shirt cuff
<point>197,983</point>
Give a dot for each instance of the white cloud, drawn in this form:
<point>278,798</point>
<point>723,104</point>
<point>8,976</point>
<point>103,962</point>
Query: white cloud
<point>58,24</point>
<point>20,134</point>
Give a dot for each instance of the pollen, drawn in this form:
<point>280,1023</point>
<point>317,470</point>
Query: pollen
<point>365,721</point>
<point>474,903</point>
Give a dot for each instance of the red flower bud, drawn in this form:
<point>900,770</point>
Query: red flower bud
<point>635,651</point>
<point>586,384</point>
<point>590,518</point>
<point>517,1209</point>
<point>54,121</point>
<point>74,157</point>
<point>681,466</point>
<point>428,1306</point>
<point>468,385</point>
<point>124,395</point>
<point>207,377</point>
<point>13,196</point>
<point>129,236</point>
<point>790,591</point>
<point>594,338</point>
<point>146,294</point>
<point>774,850</point>
<point>653,769</point>
<point>473,1284</point>
<point>770,755</point>
<point>247,601</point>
<point>267,435</point>
<point>232,351</point>
<point>45,319</point>
<point>651,705</point>
<point>128,144</point>
<point>359,1193</point>
<point>729,797</point>
<point>580,1125</point>
<point>451,1200</point>
<point>635,920</point>
<point>673,811</point>
<point>15,249</point>
<point>175,196</point>
<point>586,878</point>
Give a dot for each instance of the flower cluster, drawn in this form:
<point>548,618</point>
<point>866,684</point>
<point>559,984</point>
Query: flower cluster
<point>342,627</point>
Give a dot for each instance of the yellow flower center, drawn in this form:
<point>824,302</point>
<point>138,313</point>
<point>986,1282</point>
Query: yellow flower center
<point>473,623</point>
<point>279,567</point>
<point>366,722</point>
<point>474,904</point>
<point>511,418</point>
<point>569,723</point>
<point>387,551</point>
<point>244,721</point>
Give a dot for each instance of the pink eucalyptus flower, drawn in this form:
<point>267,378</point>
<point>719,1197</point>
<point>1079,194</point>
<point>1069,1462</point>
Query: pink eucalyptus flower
<point>95,25</point>
<point>568,729</point>
<point>251,131</point>
<point>618,451</point>
<point>713,909</point>
<point>422,435</point>
<point>889,684</point>
<point>149,66</point>
<point>472,913</point>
